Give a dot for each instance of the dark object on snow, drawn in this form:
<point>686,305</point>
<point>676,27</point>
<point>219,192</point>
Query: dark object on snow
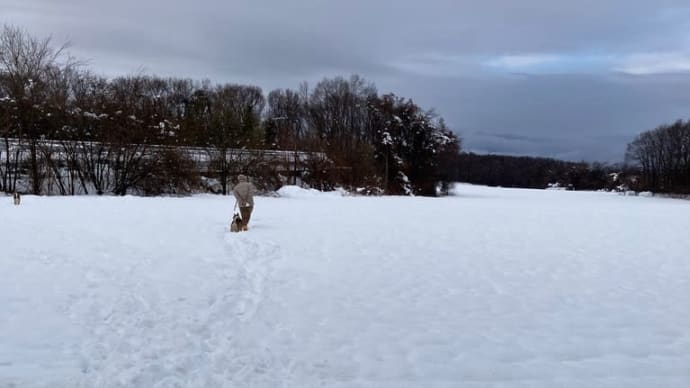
<point>236,224</point>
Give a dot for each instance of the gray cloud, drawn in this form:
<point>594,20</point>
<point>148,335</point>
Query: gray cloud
<point>536,77</point>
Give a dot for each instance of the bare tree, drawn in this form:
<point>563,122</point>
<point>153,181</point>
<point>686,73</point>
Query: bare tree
<point>28,65</point>
<point>663,157</point>
<point>234,125</point>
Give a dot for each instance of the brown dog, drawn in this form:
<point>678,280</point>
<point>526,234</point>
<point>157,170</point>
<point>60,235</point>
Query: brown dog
<point>236,223</point>
<point>17,198</point>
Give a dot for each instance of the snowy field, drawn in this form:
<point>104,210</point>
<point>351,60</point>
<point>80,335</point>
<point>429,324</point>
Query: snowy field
<point>487,288</point>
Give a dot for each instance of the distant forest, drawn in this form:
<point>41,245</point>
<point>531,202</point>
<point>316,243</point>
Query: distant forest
<point>661,158</point>
<point>67,131</point>
<point>540,173</point>
<point>657,160</point>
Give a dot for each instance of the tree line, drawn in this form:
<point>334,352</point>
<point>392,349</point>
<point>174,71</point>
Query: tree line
<point>66,130</point>
<point>657,160</point>
<point>662,158</point>
<point>540,173</point>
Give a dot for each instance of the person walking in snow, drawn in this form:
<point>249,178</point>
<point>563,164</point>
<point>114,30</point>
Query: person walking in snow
<point>244,195</point>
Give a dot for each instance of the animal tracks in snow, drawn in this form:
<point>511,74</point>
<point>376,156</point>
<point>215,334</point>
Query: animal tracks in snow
<point>146,327</point>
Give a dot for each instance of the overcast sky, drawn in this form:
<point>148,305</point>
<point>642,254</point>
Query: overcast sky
<point>559,78</point>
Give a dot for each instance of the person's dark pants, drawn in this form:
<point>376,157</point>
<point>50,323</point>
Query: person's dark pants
<point>246,213</point>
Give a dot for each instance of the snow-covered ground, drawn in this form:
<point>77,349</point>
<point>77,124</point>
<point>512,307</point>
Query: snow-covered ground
<point>487,288</point>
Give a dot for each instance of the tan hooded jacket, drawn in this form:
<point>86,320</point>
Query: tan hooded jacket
<point>244,192</point>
